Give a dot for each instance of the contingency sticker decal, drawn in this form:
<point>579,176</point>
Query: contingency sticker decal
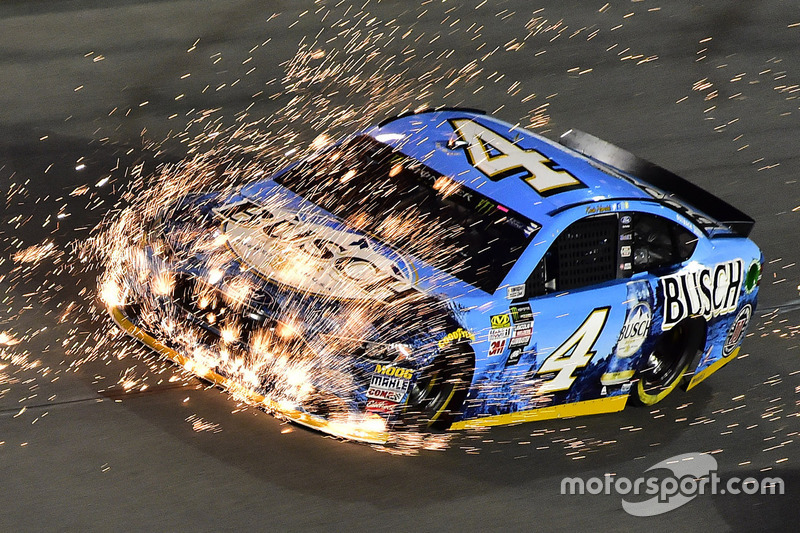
<point>499,334</point>
<point>388,388</point>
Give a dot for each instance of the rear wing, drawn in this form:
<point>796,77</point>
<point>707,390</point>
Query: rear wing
<point>663,185</point>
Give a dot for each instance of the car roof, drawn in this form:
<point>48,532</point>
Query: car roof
<point>428,137</point>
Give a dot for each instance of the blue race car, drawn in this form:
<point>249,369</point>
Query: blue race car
<point>446,269</point>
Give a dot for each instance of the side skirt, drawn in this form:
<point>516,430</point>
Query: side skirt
<point>588,407</point>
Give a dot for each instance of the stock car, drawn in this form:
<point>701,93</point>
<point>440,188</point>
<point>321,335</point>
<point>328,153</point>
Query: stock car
<point>445,269</point>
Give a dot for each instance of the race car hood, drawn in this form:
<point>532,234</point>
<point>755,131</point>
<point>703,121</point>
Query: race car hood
<point>299,245</point>
<point>337,305</point>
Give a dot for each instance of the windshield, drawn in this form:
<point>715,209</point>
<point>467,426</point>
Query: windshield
<point>406,205</point>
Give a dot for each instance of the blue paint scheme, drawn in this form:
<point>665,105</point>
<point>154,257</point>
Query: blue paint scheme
<point>501,386</point>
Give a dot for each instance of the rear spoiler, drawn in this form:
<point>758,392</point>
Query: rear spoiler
<point>647,176</point>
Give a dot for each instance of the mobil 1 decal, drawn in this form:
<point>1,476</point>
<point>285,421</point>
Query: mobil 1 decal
<point>704,292</point>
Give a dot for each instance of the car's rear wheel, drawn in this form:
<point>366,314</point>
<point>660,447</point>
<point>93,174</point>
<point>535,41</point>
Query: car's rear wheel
<point>668,361</point>
<point>437,397</point>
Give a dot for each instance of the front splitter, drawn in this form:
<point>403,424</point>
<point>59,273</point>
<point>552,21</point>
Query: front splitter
<point>345,430</point>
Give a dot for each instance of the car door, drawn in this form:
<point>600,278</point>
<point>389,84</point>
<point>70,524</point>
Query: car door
<point>592,300</point>
<point>577,300</point>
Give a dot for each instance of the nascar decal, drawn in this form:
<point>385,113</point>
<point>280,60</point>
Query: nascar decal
<point>737,330</point>
<point>635,330</point>
<point>575,353</point>
<point>308,254</point>
<point>514,292</point>
<point>498,158</point>
<point>707,292</point>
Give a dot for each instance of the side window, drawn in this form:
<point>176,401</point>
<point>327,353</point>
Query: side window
<point>601,248</point>
<point>658,243</point>
<point>584,254</point>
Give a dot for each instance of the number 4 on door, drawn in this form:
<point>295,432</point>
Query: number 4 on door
<point>574,353</point>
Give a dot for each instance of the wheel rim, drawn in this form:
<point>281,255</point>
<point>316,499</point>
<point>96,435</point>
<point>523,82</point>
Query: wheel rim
<point>667,363</point>
<point>663,363</point>
<point>435,396</point>
<point>654,394</point>
<point>430,394</point>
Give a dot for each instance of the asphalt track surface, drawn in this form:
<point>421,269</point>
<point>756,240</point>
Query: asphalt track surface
<point>706,89</point>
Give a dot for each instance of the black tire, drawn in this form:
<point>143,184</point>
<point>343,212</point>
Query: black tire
<point>664,368</point>
<point>437,396</point>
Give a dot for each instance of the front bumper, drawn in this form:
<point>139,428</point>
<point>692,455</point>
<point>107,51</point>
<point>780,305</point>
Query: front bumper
<point>371,429</point>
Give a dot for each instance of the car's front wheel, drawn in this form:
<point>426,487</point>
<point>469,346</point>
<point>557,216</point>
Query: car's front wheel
<point>436,398</point>
<point>668,361</point>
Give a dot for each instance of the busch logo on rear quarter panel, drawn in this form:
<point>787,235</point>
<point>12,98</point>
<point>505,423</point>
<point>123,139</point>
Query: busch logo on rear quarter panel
<point>707,292</point>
